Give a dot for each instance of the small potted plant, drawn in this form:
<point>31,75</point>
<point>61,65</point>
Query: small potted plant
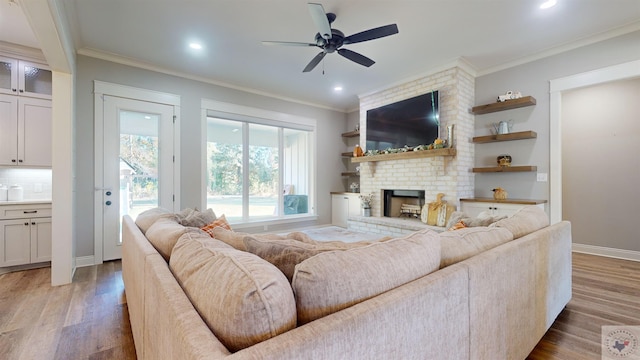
<point>365,201</point>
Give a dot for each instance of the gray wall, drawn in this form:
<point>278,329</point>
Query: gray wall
<point>330,124</point>
<point>601,167</point>
<point>533,79</point>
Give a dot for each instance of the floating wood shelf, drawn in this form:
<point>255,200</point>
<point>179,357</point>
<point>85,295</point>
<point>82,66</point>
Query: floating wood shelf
<point>505,105</point>
<point>406,155</point>
<point>505,137</point>
<point>351,134</point>
<point>350,173</point>
<point>505,169</point>
<point>507,201</point>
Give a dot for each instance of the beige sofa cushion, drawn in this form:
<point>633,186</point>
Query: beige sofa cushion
<point>163,234</point>
<point>524,221</point>
<point>285,254</point>
<point>146,218</point>
<point>242,298</point>
<point>465,243</point>
<point>334,280</point>
<point>236,238</point>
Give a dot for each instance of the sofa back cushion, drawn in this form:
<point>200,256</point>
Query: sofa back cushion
<point>286,253</point>
<point>146,218</point>
<point>524,221</point>
<point>242,298</point>
<point>164,233</point>
<point>464,243</point>
<point>334,280</point>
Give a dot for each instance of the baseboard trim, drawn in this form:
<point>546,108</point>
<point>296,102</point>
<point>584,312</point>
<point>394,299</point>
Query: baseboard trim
<point>83,261</point>
<point>606,251</point>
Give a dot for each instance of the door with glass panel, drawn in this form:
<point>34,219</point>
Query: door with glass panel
<point>138,164</point>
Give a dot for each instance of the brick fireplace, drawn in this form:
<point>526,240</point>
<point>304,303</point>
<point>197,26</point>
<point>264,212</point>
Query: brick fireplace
<point>449,175</point>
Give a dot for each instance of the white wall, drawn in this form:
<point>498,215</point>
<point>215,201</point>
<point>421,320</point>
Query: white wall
<point>601,167</point>
<point>330,124</point>
<point>533,79</point>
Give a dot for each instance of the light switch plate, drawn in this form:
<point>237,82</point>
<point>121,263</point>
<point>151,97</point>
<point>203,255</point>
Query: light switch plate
<point>542,177</point>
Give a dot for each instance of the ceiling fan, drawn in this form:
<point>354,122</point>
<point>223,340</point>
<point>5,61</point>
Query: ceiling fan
<point>331,40</point>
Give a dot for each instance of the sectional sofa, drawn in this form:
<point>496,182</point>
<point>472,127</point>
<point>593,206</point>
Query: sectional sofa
<point>474,293</point>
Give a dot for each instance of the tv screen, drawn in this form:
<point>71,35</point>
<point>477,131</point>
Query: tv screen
<point>409,122</point>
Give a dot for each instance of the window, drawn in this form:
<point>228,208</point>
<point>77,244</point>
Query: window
<point>258,169</point>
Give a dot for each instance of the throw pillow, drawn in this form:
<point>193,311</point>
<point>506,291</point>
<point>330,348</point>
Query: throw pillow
<point>196,218</point>
<point>219,222</point>
<point>236,238</point>
<point>243,299</point>
<point>334,280</point>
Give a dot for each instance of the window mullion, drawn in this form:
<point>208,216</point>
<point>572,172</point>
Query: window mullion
<point>280,171</point>
<point>245,171</point>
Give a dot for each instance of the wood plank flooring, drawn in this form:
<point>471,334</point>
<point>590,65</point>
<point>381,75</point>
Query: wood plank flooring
<point>605,292</point>
<point>88,319</point>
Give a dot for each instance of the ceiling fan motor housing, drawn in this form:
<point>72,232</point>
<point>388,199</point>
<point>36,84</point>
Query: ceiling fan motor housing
<point>332,44</point>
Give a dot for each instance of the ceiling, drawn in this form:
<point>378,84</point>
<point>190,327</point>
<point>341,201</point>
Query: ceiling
<point>487,35</point>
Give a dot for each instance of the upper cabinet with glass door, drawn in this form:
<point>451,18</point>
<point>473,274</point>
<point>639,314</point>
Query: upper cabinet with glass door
<point>24,78</point>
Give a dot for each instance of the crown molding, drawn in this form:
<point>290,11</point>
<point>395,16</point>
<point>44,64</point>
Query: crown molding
<point>102,55</point>
<point>22,52</point>
<point>625,29</point>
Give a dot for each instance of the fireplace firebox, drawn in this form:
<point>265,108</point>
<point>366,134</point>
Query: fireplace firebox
<point>403,203</point>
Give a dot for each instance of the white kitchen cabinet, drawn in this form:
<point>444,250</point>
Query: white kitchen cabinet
<point>25,78</point>
<point>25,234</point>
<point>25,139</point>
<point>344,205</point>
<point>473,207</point>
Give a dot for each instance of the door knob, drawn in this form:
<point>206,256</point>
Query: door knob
<point>108,203</point>
<point>108,193</point>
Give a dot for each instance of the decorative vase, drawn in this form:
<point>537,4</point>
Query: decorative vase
<point>366,212</point>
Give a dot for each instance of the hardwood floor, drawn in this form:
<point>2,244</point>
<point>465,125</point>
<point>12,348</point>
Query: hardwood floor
<point>605,292</point>
<point>88,319</point>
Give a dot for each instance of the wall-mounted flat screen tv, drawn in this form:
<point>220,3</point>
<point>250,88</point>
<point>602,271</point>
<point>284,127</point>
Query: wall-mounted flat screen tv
<point>409,122</point>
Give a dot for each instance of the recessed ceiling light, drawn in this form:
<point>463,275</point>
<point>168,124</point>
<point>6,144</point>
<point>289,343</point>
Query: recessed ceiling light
<point>195,46</point>
<point>337,88</point>
<point>548,4</point>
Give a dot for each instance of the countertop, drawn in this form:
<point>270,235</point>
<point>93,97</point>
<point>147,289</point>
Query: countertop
<point>26,202</point>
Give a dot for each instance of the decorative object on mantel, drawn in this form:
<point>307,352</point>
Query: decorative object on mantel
<point>357,151</point>
<point>437,212</point>
<point>509,95</point>
<point>355,187</point>
<point>499,193</point>
<point>365,201</point>
<point>504,160</point>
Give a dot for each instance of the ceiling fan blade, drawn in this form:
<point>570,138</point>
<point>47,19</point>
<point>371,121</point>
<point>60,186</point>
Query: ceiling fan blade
<point>320,19</point>
<point>355,57</point>
<point>287,43</point>
<point>315,61</point>
<point>371,34</point>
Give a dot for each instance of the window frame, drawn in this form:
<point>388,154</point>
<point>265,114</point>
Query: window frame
<point>230,111</point>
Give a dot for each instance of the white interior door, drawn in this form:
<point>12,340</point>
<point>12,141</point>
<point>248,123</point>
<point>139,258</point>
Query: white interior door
<point>138,164</point>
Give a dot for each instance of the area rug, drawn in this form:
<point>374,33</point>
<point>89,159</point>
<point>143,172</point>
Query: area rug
<point>332,233</point>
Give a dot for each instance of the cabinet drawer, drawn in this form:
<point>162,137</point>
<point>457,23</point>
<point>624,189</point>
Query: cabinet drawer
<point>24,211</point>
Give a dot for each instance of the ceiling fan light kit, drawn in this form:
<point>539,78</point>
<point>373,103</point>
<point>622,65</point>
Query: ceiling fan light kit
<point>331,40</point>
